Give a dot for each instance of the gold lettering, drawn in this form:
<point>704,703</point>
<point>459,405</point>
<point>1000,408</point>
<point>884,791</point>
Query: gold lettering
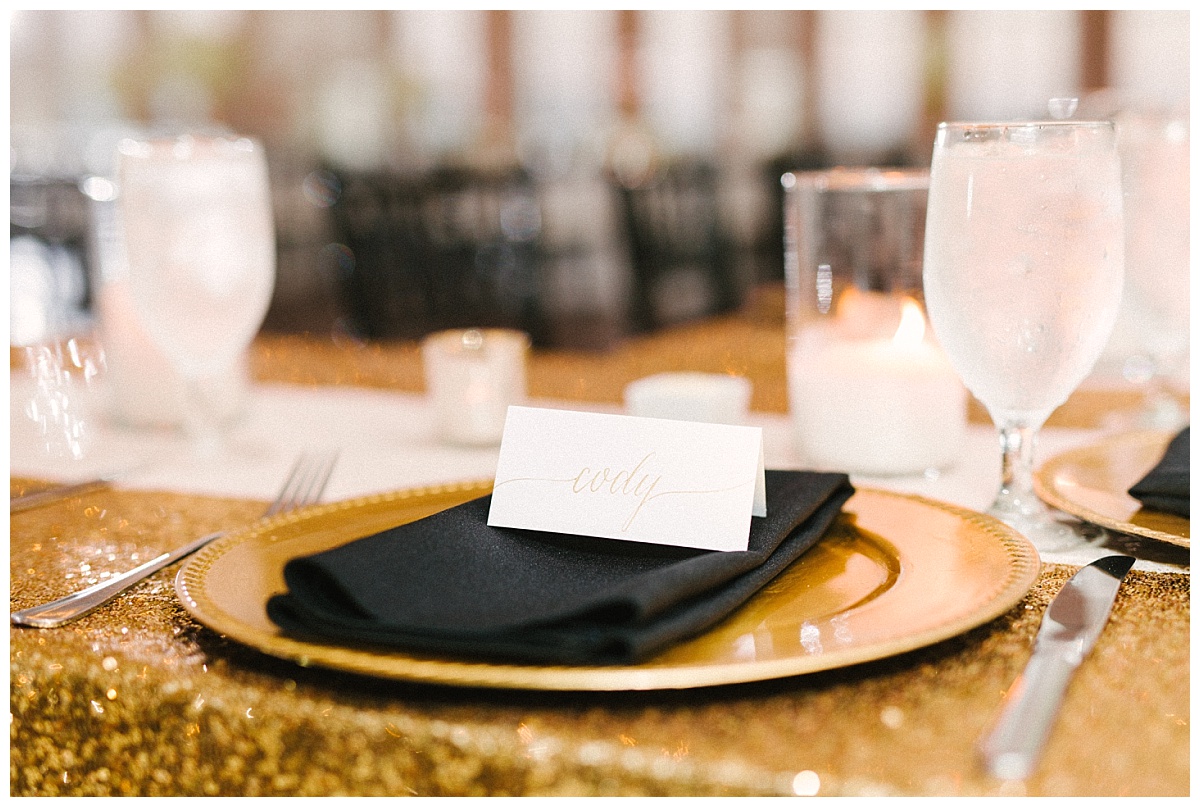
<point>621,482</point>
<point>636,468</point>
<point>598,480</point>
<point>617,478</point>
<point>645,498</point>
<point>575,488</point>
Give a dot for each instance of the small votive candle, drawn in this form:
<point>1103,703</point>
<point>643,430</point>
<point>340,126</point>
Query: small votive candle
<point>706,397</point>
<point>472,376</point>
<point>879,406</point>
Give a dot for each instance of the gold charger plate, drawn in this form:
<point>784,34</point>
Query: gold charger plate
<point>895,573</point>
<point>1092,483</point>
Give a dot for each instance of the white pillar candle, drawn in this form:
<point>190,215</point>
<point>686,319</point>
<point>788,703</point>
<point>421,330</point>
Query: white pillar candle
<point>472,377</point>
<point>876,406</point>
<point>705,397</point>
<point>142,387</point>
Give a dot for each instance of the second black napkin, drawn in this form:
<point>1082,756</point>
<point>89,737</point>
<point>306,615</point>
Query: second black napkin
<point>1167,487</point>
<point>450,584</point>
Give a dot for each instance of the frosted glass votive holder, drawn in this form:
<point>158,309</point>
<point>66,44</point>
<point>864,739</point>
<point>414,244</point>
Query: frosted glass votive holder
<point>472,376</point>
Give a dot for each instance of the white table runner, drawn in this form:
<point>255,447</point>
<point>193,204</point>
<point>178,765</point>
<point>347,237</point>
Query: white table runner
<point>386,441</point>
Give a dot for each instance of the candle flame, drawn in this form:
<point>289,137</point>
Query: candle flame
<point>912,325</point>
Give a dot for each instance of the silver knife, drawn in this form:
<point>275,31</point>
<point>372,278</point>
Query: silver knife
<point>1068,632</point>
<point>28,501</point>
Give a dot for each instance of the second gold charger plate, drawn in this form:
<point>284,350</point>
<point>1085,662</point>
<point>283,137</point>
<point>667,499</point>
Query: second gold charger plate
<point>1092,483</point>
<point>895,573</point>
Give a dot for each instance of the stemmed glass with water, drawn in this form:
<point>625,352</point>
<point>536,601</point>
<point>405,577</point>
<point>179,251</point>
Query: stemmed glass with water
<point>1155,154</point>
<point>1023,274</point>
<point>200,243</point>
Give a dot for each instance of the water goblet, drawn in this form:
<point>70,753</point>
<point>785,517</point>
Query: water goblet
<point>1023,272</point>
<point>1155,153</point>
<point>199,236</point>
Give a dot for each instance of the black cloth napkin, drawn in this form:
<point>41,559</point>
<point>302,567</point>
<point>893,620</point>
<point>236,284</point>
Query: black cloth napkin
<point>1167,487</point>
<point>450,584</point>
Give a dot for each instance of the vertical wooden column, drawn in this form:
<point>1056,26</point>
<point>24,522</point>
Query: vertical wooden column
<point>260,103</point>
<point>498,95</point>
<point>1095,44</point>
<point>628,100</point>
<point>738,45</point>
<point>805,32</point>
<point>134,82</point>
<point>936,66</point>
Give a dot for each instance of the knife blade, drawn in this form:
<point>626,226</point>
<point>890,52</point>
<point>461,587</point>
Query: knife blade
<point>1068,632</point>
<point>29,501</point>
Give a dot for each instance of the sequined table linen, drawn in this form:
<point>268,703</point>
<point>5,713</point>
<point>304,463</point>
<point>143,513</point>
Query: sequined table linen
<point>140,699</point>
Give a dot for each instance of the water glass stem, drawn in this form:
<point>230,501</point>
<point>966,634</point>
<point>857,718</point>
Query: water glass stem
<point>202,422</point>
<point>1017,497</point>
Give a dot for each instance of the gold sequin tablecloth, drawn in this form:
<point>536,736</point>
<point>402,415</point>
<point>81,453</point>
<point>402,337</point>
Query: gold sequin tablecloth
<point>140,699</point>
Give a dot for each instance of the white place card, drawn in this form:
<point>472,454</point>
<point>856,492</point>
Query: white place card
<point>651,480</point>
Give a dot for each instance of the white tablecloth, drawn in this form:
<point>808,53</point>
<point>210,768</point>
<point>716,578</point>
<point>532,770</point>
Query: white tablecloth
<point>386,442</point>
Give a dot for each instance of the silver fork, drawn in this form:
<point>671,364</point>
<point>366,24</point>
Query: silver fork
<point>304,485</point>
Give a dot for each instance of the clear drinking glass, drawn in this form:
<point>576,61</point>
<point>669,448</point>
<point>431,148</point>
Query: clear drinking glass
<point>1023,272</point>
<point>473,376</point>
<point>869,390</point>
<point>1155,155</point>
<point>200,241</point>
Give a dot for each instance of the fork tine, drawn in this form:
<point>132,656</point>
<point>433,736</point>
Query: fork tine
<point>314,482</point>
<point>322,478</point>
<point>295,477</point>
<point>305,484</point>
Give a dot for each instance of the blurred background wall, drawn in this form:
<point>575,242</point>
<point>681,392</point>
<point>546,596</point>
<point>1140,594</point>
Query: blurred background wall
<point>587,109</point>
